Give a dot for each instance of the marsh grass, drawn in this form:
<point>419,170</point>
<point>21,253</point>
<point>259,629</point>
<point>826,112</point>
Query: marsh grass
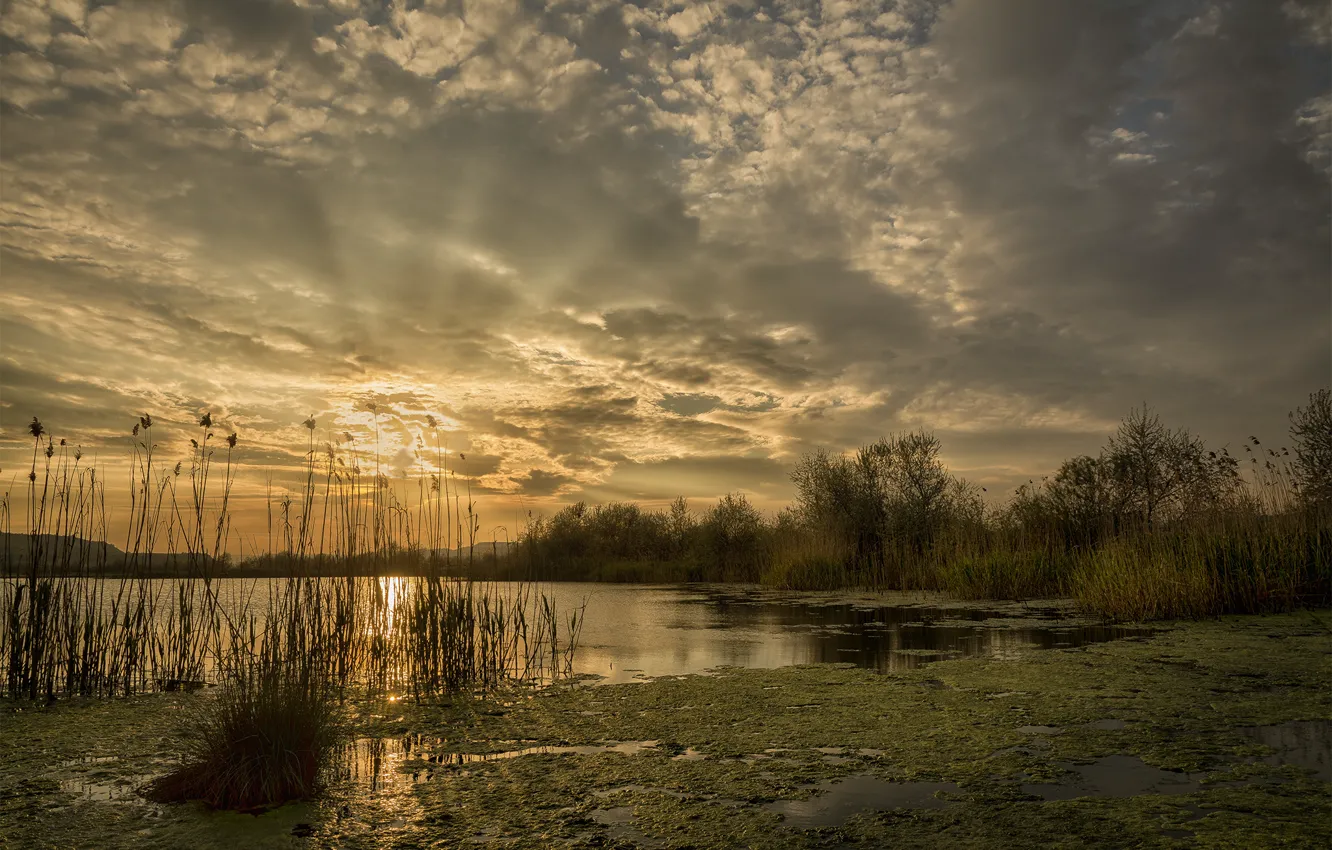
<point>1264,564</point>
<point>808,562</point>
<point>1004,573</point>
<point>287,653</point>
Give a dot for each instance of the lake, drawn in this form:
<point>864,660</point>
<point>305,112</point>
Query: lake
<point>638,631</point>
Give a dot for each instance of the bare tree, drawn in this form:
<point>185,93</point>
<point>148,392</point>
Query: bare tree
<point>916,483</point>
<point>1311,433</point>
<point>1163,472</point>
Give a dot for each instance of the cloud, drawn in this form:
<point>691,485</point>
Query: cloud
<point>630,252</point>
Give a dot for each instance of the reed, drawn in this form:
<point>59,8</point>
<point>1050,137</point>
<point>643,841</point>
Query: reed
<point>77,623</point>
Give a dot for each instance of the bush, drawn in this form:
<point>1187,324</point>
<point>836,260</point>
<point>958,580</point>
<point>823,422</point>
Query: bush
<point>263,740</point>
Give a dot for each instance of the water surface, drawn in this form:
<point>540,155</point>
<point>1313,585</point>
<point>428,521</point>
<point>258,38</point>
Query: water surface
<point>637,631</point>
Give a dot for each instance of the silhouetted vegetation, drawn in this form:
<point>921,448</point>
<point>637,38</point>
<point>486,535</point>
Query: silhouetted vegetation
<point>1156,525</point>
<point>622,542</point>
<point>82,617</point>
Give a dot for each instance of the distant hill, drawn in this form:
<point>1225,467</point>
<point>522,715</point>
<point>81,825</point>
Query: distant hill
<point>54,548</point>
<point>62,555</point>
<point>68,555</point>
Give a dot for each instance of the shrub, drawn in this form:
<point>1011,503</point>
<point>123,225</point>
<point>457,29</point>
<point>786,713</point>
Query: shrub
<point>263,739</point>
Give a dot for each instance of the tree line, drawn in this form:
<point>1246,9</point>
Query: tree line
<point>891,512</point>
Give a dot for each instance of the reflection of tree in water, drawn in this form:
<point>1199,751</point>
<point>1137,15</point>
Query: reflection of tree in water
<point>1303,743</point>
<point>891,638</point>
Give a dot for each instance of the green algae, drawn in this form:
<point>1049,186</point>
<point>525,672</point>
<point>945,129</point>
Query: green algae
<point>1181,698</point>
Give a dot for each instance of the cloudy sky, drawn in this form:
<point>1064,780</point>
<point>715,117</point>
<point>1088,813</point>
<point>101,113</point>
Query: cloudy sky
<point>633,251</point>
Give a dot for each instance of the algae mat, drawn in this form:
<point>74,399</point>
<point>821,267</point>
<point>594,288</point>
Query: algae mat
<point>1205,734</point>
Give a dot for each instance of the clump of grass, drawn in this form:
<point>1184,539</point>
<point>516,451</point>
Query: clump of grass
<point>265,738</point>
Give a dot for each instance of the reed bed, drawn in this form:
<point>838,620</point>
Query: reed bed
<point>82,617</point>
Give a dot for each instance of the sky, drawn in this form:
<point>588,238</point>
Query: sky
<point>637,251</point>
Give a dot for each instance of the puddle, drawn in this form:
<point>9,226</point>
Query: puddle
<point>836,800</point>
<point>689,754</point>
<point>379,762</point>
<point>618,816</point>
<point>94,779</point>
<point>1305,744</point>
<point>1114,776</point>
<point>102,790</point>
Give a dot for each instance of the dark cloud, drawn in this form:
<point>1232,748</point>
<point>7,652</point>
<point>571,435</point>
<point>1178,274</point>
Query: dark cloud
<point>539,482</point>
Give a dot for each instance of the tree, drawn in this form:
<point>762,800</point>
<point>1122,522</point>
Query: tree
<point>1311,433</point>
<point>1162,473</point>
<point>680,526</point>
<point>895,489</point>
<point>844,497</point>
<point>917,484</point>
<point>1085,499</point>
<point>733,532</point>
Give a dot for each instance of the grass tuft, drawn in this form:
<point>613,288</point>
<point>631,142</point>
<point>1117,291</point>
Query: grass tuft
<point>264,739</point>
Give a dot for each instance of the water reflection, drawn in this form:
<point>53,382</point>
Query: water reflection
<point>836,800</point>
<point>383,764</point>
<point>635,631</point>
<point>1306,744</point>
<point>97,778</point>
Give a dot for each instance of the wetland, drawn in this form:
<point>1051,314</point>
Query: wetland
<point>705,716</point>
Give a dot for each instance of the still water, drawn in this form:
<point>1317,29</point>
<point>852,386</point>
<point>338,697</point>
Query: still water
<point>636,631</point>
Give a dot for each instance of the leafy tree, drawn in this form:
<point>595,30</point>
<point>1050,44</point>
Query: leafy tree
<point>732,532</point>
<point>845,497</point>
<point>1311,433</point>
<point>896,489</point>
<point>680,526</point>
<point>916,483</point>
